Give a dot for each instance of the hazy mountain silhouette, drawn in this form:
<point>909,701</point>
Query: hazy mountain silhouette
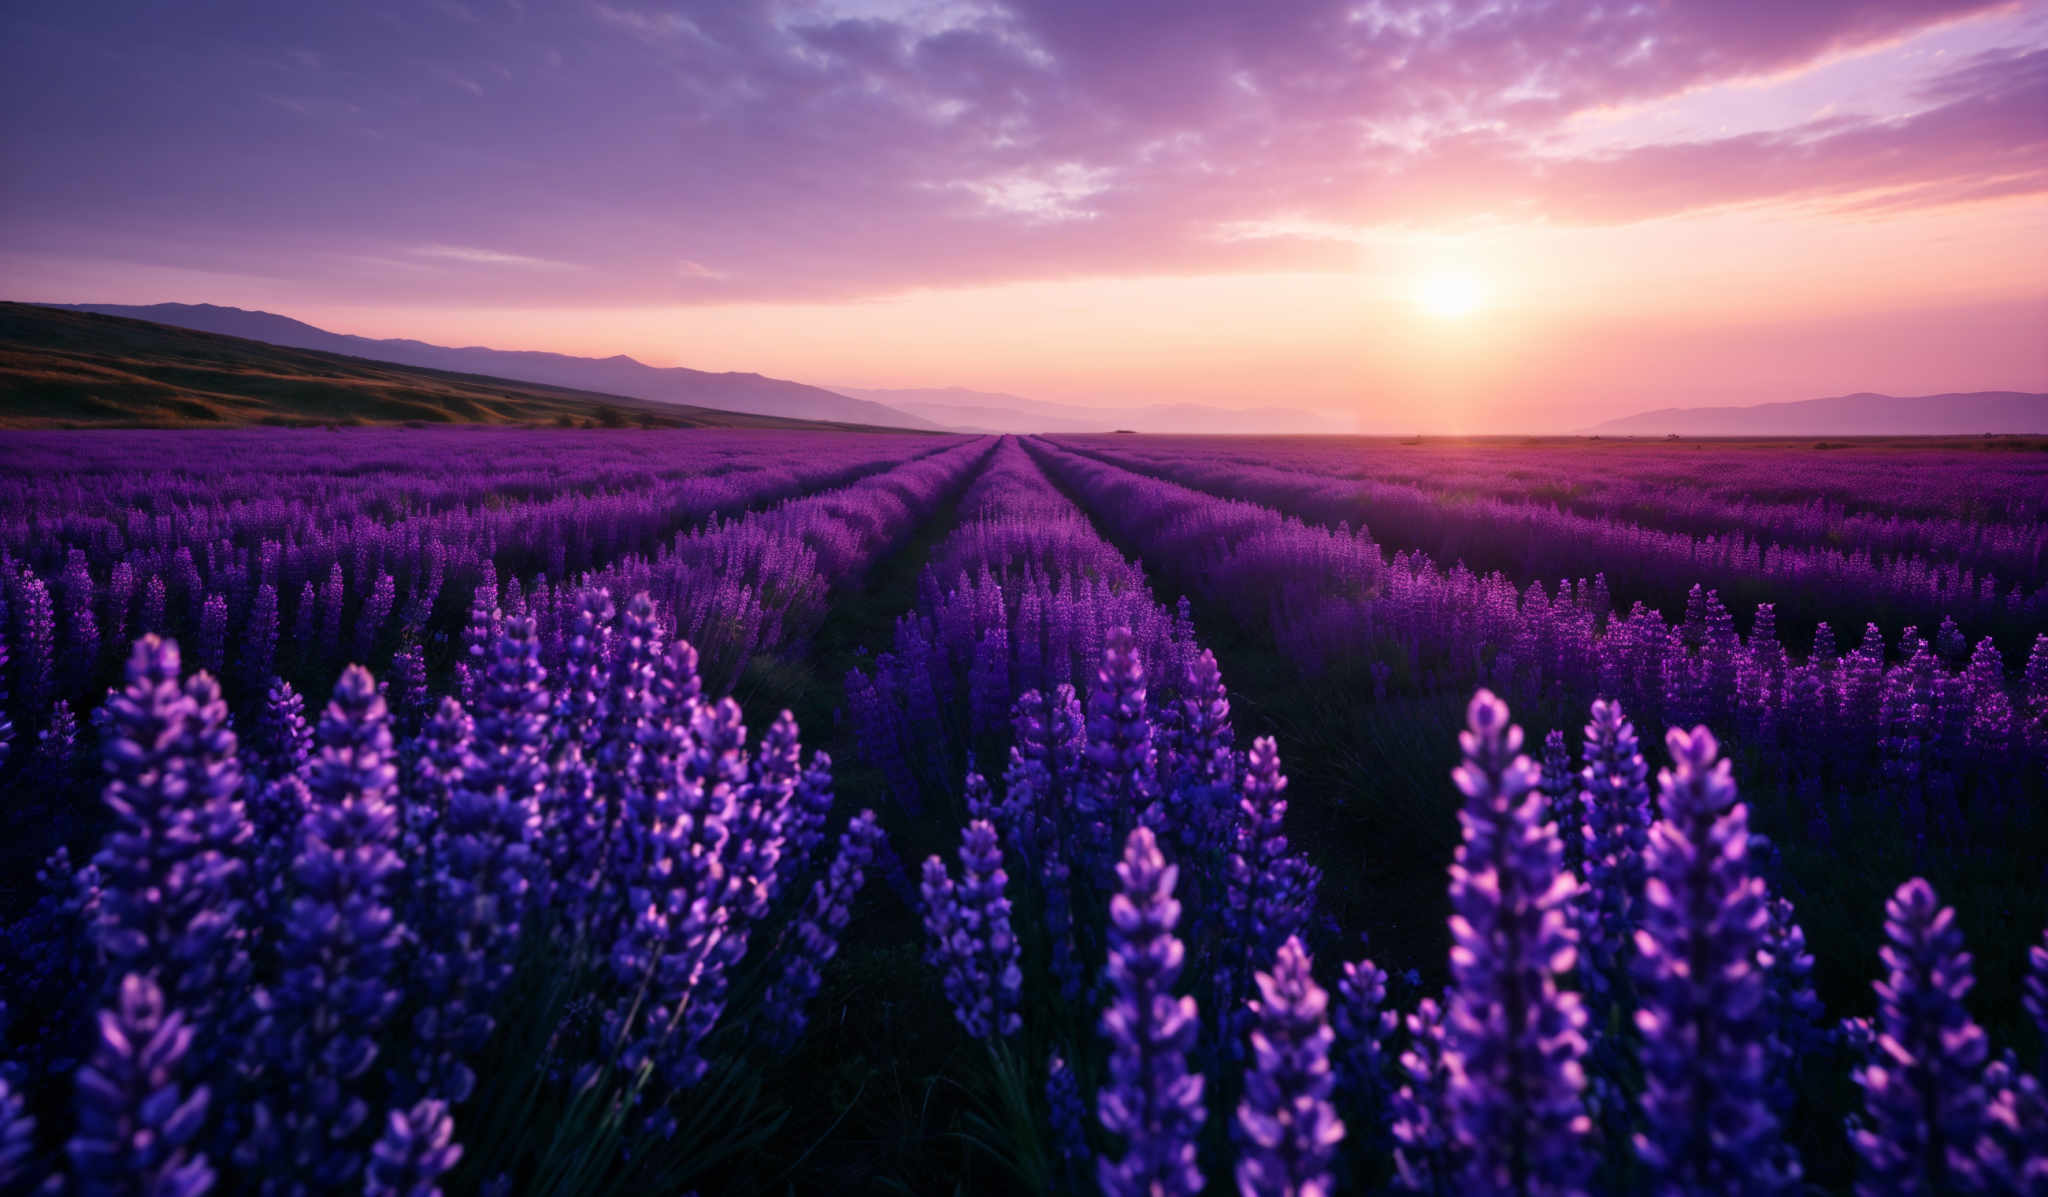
<point>68,368</point>
<point>990,411</point>
<point>619,375</point>
<point>1861,414</point>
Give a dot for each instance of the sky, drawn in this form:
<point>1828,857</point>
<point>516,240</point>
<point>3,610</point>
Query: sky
<point>1503,215</point>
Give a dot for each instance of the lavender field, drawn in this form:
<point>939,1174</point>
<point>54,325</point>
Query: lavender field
<point>502,811</point>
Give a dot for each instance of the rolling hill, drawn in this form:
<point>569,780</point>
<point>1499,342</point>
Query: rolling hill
<point>1862,414</point>
<point>619,375</point>
<point>69,368</point>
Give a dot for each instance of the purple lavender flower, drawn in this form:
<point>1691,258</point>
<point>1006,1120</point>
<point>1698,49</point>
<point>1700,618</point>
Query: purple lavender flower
<point>1426,1158</point>
<point>1792,1009</point>
<point>632,756</point>
<point>985,917</point>
<point>1041,773</point>
<point>809,807</point>
<point>276,808</point>
<point>988,681</point>
<point>761,813</point>
<point>120,597</point>
<point>711,820</point>
<point>281,741</point>
<point>976,795</point>
<point>332,596</point>
<point>1291,1130</point>
<point>582,690</point>
<point>478,635</point>
<point>337,948</point>
<point>939,905</point>
<point>156,601</point>
<point>1991,715</point>
<point>1513,1041</point>
<point>439,759</point>
<point>483,868</point>
<point>574,820</point>
<point>35,644</point>
<point>1258,916</point>
<point>213,634</point>
<point>817,929</point>
<point>2014,1150</point>
<point>1199,752</point>
<point>1365,1030</point>
<point>304,616</point>
<point>259,640</point>
<point>1561,802</point>
<point>409,685</point>
<point>1151,1101</point>
<point>1067,1115</point>
<point>54,763</point>
<point>486,852</point>
<point>672,961</point>
<point>1702,995</point>
<point>1923,1093</point>
<point>172,870</point>
<point>1122,763</point>
<point>376,611</point>
<point>971,937</point>
<point>416,1149</point>
<point>81,627</point>
<point>1616,800</point>
<point>136,1120</point>
<point>2035,679</point>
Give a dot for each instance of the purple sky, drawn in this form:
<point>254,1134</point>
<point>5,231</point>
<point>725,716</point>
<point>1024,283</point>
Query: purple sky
<point>775,186</point>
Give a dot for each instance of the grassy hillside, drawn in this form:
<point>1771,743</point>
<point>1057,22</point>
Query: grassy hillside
<point>65,369</point>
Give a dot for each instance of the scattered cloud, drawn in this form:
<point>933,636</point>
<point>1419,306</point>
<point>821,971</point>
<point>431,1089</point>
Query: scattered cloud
<point>489,257</point>
<point>838,148</point>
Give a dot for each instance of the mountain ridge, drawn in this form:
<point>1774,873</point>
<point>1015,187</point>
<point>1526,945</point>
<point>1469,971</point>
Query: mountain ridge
<point>1863,413</point>
<point>735,391</point>
<point>61,367</point>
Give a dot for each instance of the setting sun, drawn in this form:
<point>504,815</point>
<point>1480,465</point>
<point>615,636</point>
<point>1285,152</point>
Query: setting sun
<point>1450,295</point>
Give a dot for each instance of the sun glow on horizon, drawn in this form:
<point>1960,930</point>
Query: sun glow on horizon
<point>1450,294</point>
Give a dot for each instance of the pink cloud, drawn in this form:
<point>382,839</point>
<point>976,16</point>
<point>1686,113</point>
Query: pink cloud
<point>832,149</point>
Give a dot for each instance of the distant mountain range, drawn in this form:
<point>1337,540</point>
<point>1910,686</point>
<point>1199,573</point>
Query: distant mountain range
<point>1863,414</point>
<point>751,393</point>
<point>960,409</point>
<point>66,368</point>
<point>988,411</point>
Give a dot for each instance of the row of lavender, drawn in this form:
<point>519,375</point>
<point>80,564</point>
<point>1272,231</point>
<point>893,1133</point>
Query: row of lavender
<point>595,854</point>
<point>1944,728</point>
<point>1629,1008</point>
<point>1979,509</point>
<point>1018,597</point>
<point>576,808</point>
<point>1544,541</point>
<point>642,1100</point>
<point>219,561</point>
<point>344,546</point>
<point>304,943</point>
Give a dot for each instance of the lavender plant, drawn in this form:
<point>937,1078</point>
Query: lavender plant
<point>1513,1036</point>
<point>320,1025</point>
<point>1151,1103</point>
<point>1289,1126</point>
<point>1703,1013</point>
<point>137,1121</point>
<point>1923,1089</point>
